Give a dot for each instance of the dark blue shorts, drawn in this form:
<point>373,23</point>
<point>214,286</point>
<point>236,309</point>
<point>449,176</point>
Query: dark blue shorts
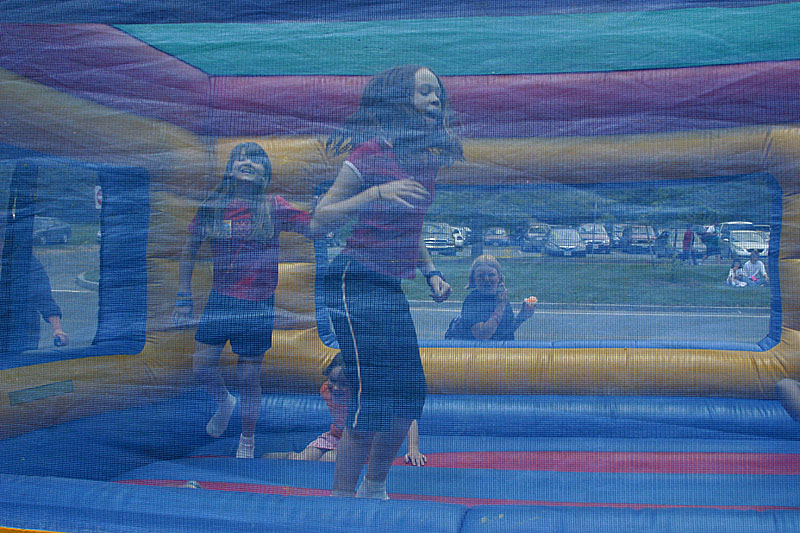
<point>376,335</point>
<point>247,324</point>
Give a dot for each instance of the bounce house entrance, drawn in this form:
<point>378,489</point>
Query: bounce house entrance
<point>66,231</point>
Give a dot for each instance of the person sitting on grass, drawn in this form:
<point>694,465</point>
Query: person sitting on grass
<point>736,275</point>
<point>336,393</point>
<point>754,272</point>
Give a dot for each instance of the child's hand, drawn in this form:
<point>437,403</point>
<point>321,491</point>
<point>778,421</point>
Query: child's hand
<point>182,315</point>
<point>416,459</point>
<point>502,296</point>
<point>440,289</point>
<point>528,307</point>
<point>403,192</point>
<point>60,338</point>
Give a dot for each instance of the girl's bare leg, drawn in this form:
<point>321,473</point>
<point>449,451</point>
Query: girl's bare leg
<point>351,455</point>
<point>310,453</point>
<point>280,455</point>
<point>329,456</point>
<point>205,366</point>
<point>249,374</point>
<point>381,456</point>
<point>384,449</point>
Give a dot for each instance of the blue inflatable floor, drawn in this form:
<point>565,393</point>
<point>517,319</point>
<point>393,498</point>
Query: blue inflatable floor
<point>510,463</point>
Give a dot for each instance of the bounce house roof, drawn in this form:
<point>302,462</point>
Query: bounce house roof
<point>613,63</point>
<point>576,42</point>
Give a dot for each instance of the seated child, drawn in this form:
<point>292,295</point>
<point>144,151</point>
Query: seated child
<point>736,275</point>
<point>336,393</point>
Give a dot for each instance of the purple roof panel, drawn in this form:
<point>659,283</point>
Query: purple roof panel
<point>579,104</point>
<point>106,66</point>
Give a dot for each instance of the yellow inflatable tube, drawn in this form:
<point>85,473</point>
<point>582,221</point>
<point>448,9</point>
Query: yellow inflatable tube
<point>183,167</point>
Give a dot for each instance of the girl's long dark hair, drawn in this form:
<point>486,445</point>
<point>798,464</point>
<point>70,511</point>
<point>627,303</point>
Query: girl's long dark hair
<point>212,209</point>
<point>387,112</point>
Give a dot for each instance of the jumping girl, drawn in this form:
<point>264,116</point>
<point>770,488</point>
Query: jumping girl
<point>242,224</point>
<point>397,140</point>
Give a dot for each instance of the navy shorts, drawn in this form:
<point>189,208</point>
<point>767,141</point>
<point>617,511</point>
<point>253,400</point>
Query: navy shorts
<point>247,324</point>
<point>376,335</point>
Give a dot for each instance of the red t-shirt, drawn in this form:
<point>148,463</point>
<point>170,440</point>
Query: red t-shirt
<point>247,268</point>
<point>386,236</point>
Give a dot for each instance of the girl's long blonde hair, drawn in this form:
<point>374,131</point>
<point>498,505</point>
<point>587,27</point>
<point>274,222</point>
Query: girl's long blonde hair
<point>485,259</point>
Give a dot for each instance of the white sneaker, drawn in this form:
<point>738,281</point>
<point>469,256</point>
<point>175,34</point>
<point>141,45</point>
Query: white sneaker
<point>219,422</point>
<point>375,490</point>
<point>247,447</point>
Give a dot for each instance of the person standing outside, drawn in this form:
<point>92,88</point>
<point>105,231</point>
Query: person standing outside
<point>396,142</point>
<point>688,246</point>
<point>35,301</point>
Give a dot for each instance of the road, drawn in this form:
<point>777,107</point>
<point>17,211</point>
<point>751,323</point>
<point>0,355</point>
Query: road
<point>551,322</point>
<point>556,322</point>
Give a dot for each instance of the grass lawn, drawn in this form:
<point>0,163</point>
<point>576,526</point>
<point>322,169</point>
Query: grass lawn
<point>84,233</point>
<point>580,281</point>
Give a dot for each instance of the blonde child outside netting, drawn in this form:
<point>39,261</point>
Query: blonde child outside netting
<point>486,313</point>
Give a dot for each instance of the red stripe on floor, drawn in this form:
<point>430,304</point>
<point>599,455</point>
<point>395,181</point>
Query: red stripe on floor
<point>468,502</point>
<point>621,462</point>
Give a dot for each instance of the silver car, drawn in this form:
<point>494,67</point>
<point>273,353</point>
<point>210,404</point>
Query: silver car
<point>595,238</point>
<point>564,242</point>
<point>438,237</point>
<point>743,242</point>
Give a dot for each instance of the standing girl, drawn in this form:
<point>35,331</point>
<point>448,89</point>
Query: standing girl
<point>396,141</point>
<point>242,224</point>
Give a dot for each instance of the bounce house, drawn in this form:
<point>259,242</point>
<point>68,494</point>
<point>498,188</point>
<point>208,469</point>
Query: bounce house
<point>664,137</point>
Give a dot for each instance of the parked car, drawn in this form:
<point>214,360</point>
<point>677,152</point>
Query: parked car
<point>595,238</point>
<point>669,243</point>
<point>564,242</point>
<point>614,232</point>
<point>438,237</point>
<point>496,237</point>
<point>49,230</point>
<point>466,231</point>
<point>742,243</point>
<point>638,238</point>
<point>534,237</point>
<point>726,228</point>
<point>764,229</point>
<point>458,237</point>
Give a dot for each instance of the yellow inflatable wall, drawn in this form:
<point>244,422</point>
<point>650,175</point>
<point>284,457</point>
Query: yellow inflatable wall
<point>183,167</point>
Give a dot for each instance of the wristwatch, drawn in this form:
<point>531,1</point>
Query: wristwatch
<point>432,273</point>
